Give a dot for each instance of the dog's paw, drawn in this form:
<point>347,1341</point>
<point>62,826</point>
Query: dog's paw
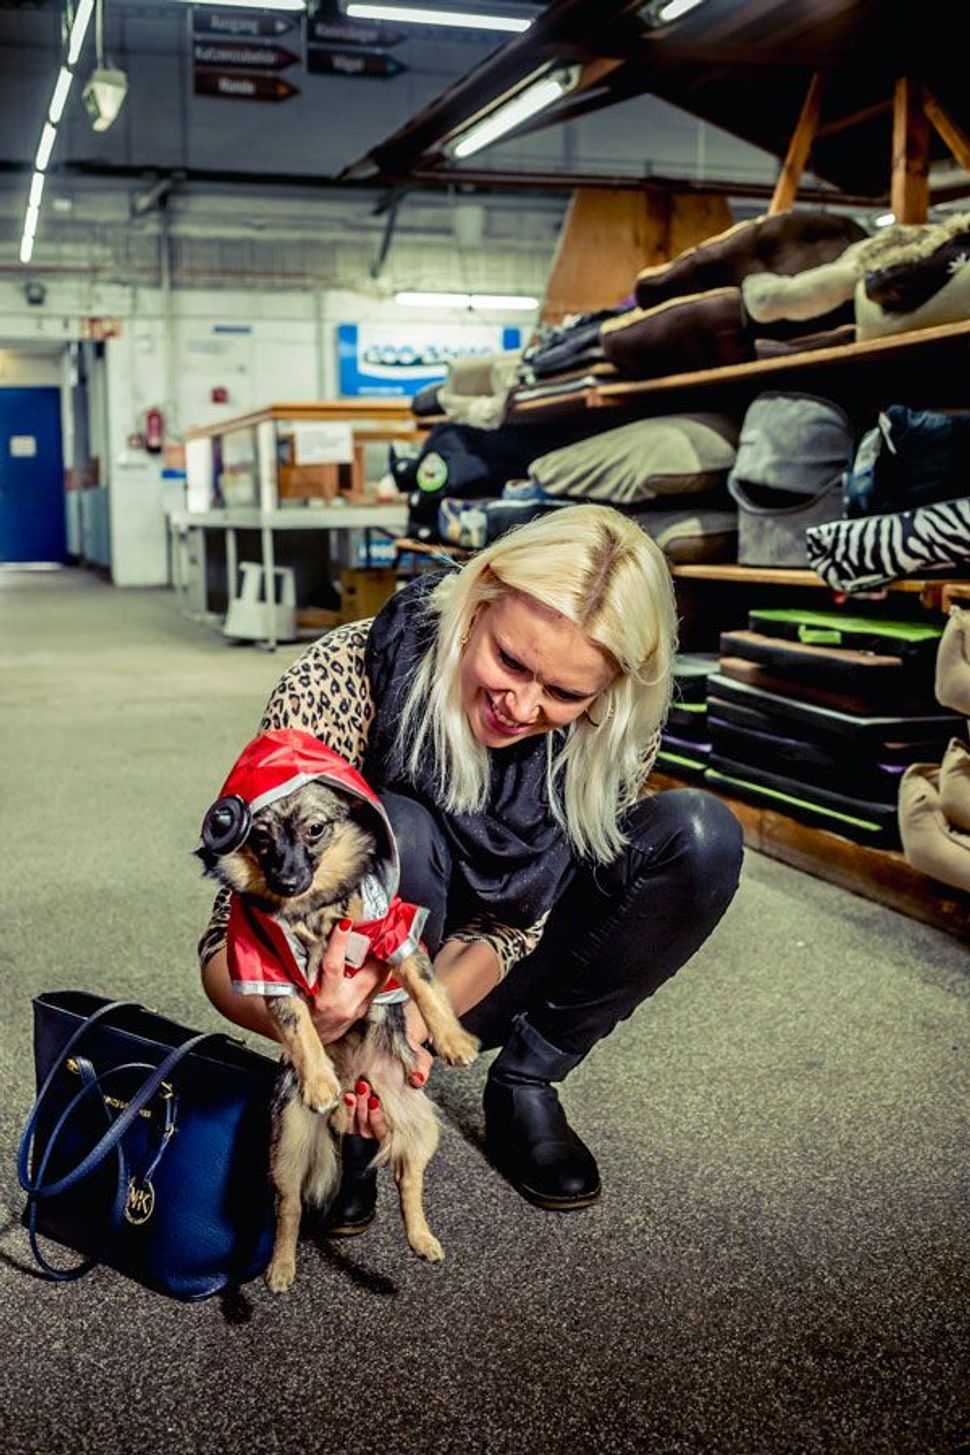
<point>342,1118</point>
<point>426,1246</point>
<point>457,1047</point>
<point>280,1274</point>
<point>320,1089</point>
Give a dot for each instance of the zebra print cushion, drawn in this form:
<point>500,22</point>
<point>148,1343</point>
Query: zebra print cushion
<point>858,555</point>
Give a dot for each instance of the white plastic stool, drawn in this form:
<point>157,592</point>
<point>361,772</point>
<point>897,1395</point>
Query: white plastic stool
<point>248,618</point>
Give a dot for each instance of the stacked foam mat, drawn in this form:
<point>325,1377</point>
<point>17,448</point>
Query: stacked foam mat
<point>819,715</point>
<point>685,748</point>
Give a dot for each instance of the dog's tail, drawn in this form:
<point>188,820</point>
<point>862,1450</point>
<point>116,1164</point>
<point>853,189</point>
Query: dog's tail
<point>323,1166</point>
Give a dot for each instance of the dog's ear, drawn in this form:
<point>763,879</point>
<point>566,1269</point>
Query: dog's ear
<point>209,860</point>
<point>368,820</point>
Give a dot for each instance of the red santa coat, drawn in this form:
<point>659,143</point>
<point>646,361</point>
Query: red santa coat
<point>265,957</point>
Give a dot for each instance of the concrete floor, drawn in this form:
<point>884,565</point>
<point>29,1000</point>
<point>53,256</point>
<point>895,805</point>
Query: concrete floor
<point>779,1259</point>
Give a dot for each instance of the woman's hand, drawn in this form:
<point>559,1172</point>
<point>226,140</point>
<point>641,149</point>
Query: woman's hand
<point>367,1114</point>
<point>345,996</point>
<point>345,993</point>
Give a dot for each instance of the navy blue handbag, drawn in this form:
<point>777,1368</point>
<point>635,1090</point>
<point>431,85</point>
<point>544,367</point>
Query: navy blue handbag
<point>147,1147</point>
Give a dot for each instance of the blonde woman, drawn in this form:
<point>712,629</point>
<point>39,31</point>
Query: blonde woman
<point>508,714</point>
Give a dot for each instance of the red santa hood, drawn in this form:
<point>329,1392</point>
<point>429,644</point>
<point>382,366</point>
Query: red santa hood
<point>276,764</point>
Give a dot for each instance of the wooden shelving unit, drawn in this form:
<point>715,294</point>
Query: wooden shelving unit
<point>926,367</point>
<point>936,593</point>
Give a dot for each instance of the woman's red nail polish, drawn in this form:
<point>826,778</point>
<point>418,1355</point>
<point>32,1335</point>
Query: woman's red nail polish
<point>346,924</point>
<point>362,1087</point>
<point>418,1078</point>
<point>373,1101</point>
<point>349,1098</point>
<point>349,974</point>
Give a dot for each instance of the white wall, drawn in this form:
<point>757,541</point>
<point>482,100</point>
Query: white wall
<point>264,348</point>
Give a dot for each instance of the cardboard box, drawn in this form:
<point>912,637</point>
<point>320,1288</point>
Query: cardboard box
<point>309,482</point>
<point>364,591</point>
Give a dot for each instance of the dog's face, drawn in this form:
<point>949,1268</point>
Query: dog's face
<point>303,852</point>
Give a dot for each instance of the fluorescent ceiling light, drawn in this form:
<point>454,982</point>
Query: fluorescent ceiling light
<point>47,139</point>
<point>60,95</point>
<point>258,4</point>
<point>506,302</point>
<point>82,18</point>
<point>30,221</point>
<point>885,219</point>
<point>533,99</point>
<point>26,247</point>
<point>514,302</point>
<point>36,189</point>
<point>420,15</point>
<point>674,9</point>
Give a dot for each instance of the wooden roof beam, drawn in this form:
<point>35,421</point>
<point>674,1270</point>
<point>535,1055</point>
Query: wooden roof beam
<point>955,138</point>
<point>909,191</point>
<point>799,147</point>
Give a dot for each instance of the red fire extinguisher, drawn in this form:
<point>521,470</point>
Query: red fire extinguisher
<point>154,431</point>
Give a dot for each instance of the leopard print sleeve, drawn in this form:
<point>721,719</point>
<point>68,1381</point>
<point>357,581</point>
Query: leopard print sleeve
<point>214,935</point>
<point>509,945</point>
<point>325,692</point>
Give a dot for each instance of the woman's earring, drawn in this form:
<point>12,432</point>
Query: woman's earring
<point>463,641</point>
<point>593,722</point>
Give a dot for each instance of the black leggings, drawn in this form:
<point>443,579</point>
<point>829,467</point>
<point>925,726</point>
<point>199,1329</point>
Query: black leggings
<point>617,932</point>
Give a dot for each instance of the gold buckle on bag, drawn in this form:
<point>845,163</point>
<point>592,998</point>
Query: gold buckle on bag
<point>165,1093</point>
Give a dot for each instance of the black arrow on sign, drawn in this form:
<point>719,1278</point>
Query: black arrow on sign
<point>235,86</point>
<point>324,61</point>
<point>235,23</point>
<point>237,55</point>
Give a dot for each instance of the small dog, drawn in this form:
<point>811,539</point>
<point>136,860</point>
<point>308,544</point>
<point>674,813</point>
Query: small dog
<point>299,860</point>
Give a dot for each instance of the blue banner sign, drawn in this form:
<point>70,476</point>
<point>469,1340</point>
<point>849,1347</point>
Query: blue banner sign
<point>394,361</point>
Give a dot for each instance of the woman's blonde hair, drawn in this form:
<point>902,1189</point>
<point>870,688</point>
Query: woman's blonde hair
<point>603,573</point>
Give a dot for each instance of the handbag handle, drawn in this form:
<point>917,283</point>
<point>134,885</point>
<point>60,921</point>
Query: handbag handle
<point>34,1186</point>
<point>63,1275</point>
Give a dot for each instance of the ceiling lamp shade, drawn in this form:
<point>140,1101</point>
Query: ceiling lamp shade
<point>542,92</point>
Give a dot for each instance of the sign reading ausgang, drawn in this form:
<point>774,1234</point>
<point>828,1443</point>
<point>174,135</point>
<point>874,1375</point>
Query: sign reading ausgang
<point>241,23</point>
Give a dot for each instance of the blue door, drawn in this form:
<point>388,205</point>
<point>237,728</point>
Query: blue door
<point>32,525</point>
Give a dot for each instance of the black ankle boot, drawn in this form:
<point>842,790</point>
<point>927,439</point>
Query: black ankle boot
<point>352,1210</point>
<point>526,1132</point>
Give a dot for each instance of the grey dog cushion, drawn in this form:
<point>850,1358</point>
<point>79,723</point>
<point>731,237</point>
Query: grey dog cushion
<point>678,454</point>
<point>692,537</point>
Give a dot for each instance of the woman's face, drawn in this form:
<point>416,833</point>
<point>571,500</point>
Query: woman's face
<point>526,670</point>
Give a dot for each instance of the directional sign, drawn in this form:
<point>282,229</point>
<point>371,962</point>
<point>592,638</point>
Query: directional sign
<point>241,23</point>
<point>323,61</point>
<point>340,32</point>
<point>236,86</point>
<point>238,56</point>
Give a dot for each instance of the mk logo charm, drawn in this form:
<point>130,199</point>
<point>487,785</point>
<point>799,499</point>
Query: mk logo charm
<point>141,1202</point>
